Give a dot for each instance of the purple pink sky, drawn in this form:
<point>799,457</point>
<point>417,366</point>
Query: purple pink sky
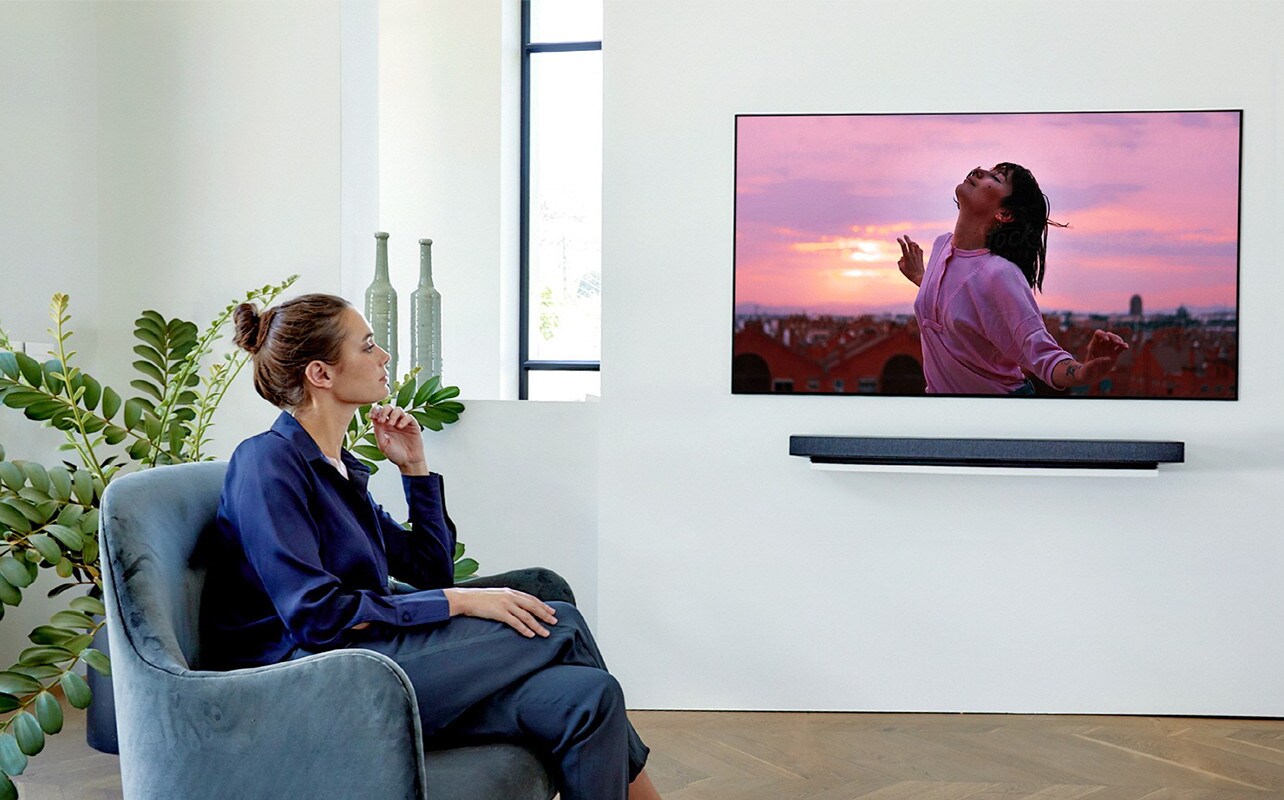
<point>1152,200</point>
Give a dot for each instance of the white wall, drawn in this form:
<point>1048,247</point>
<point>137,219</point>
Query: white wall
<point>722,572</point>
<point>48,177</point>
<point>167,156</point>
<point>732,576</point>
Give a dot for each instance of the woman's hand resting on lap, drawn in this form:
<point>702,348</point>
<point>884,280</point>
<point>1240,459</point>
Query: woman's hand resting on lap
<point>521,611</point>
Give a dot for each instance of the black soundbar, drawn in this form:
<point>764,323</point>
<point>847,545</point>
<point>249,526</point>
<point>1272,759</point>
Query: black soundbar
<point>1020,453</point>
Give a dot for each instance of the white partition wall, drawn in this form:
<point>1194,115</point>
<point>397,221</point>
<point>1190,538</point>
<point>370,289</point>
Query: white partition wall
<point>732,576</point>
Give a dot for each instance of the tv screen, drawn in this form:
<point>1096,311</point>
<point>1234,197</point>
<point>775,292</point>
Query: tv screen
<point>1081,255</point>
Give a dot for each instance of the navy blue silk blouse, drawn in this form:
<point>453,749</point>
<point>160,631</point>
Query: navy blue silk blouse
<point>299,554</point>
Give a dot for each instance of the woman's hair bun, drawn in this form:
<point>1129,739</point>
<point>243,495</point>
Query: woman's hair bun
<point>247,321</point>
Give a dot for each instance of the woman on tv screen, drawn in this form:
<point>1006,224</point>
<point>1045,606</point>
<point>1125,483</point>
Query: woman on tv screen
<point>982,331</point>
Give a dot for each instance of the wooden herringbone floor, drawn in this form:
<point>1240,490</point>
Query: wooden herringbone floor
<point>787,756</point>
<point>756,756</point>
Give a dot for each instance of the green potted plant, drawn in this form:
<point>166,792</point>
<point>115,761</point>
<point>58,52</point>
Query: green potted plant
<point>49,515</point>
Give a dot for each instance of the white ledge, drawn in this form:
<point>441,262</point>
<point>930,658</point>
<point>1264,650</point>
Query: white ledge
<point>1075,472</point>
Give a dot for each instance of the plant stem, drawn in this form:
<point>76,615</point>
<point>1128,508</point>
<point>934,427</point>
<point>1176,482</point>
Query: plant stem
<point>87,452</point>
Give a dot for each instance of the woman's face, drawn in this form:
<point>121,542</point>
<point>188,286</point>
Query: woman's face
<point>361,376</point>
<point>983,191</point>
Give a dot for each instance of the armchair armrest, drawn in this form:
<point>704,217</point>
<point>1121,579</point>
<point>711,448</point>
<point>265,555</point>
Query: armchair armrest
<point>337,724</point>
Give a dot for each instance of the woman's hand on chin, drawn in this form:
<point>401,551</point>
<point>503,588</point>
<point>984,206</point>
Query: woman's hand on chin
<point>400,438</point>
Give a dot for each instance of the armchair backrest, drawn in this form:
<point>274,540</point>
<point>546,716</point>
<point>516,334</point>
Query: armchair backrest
<point>151,523</point>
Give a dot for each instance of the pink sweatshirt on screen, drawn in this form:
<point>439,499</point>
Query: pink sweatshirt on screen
<point>980,325</point>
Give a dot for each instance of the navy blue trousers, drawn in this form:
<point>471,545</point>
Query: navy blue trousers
<point>477,680</point>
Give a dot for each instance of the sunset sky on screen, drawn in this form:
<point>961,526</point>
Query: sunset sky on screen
<point>1152,200</point>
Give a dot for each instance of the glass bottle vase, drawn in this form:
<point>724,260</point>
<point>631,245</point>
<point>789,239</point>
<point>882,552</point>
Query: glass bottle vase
<point>381,305</point>
<point>425,318</point>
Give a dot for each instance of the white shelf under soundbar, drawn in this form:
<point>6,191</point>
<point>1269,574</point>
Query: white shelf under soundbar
<point>1076,472</point>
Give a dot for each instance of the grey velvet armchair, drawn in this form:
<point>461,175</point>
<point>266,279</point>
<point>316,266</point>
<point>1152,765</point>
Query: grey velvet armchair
<point>338,724</point>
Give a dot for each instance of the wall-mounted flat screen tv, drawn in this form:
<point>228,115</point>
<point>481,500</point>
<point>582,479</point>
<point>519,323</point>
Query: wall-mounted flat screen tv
<point>1079,255</point>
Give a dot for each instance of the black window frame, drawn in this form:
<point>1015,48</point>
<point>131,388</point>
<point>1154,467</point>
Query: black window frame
<point>525,364</point>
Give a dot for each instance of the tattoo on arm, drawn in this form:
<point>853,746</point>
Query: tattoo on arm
<point>1072,369</point>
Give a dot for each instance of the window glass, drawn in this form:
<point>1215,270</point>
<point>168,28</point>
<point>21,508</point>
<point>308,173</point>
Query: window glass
<point>564,385</point>
<point>565,267</point>
<point>566,21</point>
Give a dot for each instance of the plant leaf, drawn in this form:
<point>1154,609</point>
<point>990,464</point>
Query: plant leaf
<point>93,391</point>
<point>77,644</point>
<point>44,654</point>
<point>27,509</point>
<point>12,475</point>
<point>43,409</point>
<point>12,518</point>
<point>17,684</point>
<point>30,369</point>
<point>72,619</point>
<point>31,739</point>
<point>150,370</point>
<point>13,570</point>
<point>111,402</point>
<point>53,376</point>
<point>21,398</point>
<point>444,394</point>
<point>60,483</point>
<point>77,691</point>
<point>98,660</point>
<point>71,539</point>
<point>431,385</point>
<point>89,605</point>
<point>48,634</point>
<point>133,413</point>
<point>71,513</point>
<point>144,386</point>
<point>9,703</point>
<point>150,337</point>
<point>36,476</point>
<point>9,594</point>
<point>48,713</point>
<point>12,760</point>
<point>405,394</point>
<point>150,353</point>
<point>9,365</point>
<point>464,568</point>
<point>38,672</point>
<point>367,451</point>
<point>46,547</point>
<point>138,450</point>
<point>82,483</point>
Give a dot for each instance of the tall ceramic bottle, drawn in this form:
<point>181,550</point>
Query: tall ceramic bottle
<point>425,318</point>
<point>381,305</point>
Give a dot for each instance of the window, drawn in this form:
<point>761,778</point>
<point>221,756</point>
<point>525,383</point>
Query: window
<point>561,215</point>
